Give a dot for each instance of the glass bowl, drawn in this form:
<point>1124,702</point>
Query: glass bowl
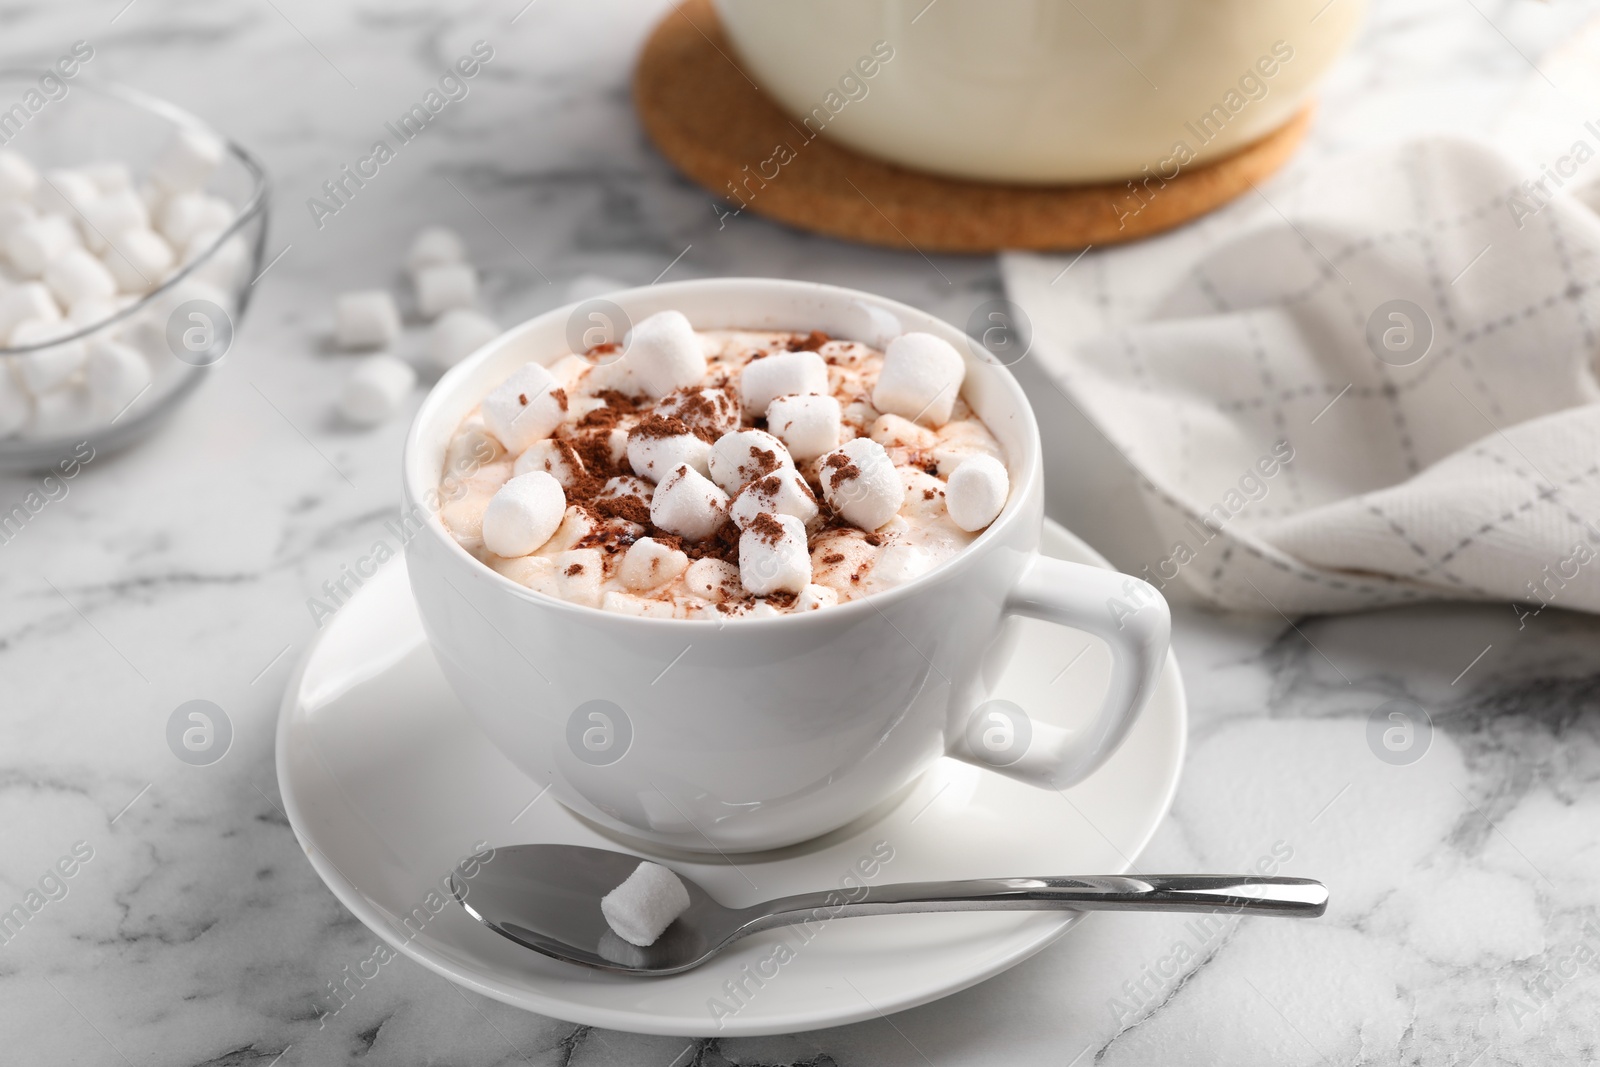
<point>180,326</point>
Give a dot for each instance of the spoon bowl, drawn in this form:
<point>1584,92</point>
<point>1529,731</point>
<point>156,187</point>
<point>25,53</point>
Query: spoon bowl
<point>547,898</point>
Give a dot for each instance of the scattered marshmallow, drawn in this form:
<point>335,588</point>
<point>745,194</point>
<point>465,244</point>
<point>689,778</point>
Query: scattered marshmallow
<point>976,492</point>
<point>578,576</point>
<point>638,606</point>
<point>375,389</point>
<point>112,214</point>
<point>34,245</point>
<point>649,564</point>
<point>743,455</point>
<point>188,214</point>
<point>77,275</point>
<point>781,374</point>
<point>14,213</point>
<point>45,369</point>
<point>773,557</point>
<point>116,374</point>
<point>808,425</point>
<point>434,247</point>
<point>109,177</point>
<point>187,162</point>
<point>139,260</point>
<point>18,178</point>
<point>860,482</point>
<point>524,408</point>
<point>16,406</point>
<point>710,410</point>
<point>28,301</point>
<point>446,287</point>
<point>366,319</point>
<point>457,334</point>
<point>523,514</point>
<point>645,904</point>
<point>711,579</point>
<point>626,485</point>
<point>60,413</point>
<point>665,353</point>
<point>814,597</point>
<point>689,504</point>
<point>555,458</point>
<point>654,453</point>
<point>783,492</point>
<point>892,431</point>
<point>63,192</point>
<point>921,378</point>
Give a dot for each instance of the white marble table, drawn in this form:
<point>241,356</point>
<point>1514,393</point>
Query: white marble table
<point>1464,925</point>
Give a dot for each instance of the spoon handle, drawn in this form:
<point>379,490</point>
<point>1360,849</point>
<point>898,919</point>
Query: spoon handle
<point>1289,897</point>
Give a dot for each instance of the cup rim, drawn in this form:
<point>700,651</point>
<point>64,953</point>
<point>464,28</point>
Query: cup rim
<point>1025,470</point>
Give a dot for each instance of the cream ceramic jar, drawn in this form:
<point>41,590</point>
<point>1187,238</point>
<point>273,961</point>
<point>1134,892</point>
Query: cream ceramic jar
<point>1040,91</point>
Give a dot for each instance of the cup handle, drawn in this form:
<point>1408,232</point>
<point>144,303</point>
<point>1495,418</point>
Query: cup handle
<point>1131,617</point>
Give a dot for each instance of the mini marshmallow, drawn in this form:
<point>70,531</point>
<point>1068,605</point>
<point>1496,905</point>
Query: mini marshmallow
<point>892,431</point>
<point>555,458</point>
<point>16,406</point>
<point>111,214</point>
<point>649,564</point>
<point>46,368</point>
<point>624,485</point>
<point>783,492</point>
<point>375,389</point>
<point>638,606</point>
<point>534,572</point>
<point>899,563</point>
<point>187,162</point>
<point>711,579</point>
<point>116,374</point>
<point>188,214</point>
<point>366,319</point>
<point>14,213</point>
<point>93,309</point>
<point>977,492</point>
<point>524,408</point>
<point>782,374</point>
<point>921,378</point>
<point>63,412</point>
<point>33,246</point>
<point>578,576</point>
<point>18,178</point>
<point>138,260</point>
<point>76,275</point>
<point>446,287</point>
<point>433,247</point>
<point>63,192</point>
<point>815,597</point>
<point>457,334</point>
<point>689,504</point>
<point>222,261</point>
<point>773,556</point>
<point>645,904</point>
<point>28,301</point>
<point>109,177</point>
<point>523,514</point>
<point>807,425</point>
<point>738,457</point>
<point>860,482</point>
<point>665,353</point>
<point>654,452</point>
<point>711,410</point>
<point>612,372</point>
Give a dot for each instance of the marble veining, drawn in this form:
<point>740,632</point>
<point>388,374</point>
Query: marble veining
<point>1463,929</point>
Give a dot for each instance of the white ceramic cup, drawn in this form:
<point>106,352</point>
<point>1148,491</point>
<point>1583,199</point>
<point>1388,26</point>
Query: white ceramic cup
<point>1039,91</point>
<point>746,734</point>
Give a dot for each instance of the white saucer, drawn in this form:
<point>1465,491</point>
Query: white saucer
<point>388,784</point>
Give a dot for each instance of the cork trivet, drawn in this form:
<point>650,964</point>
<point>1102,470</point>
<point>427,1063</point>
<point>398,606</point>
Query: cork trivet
<point>712,122</point>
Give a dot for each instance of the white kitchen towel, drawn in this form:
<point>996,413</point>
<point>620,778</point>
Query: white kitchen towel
<point>1374,385</point>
